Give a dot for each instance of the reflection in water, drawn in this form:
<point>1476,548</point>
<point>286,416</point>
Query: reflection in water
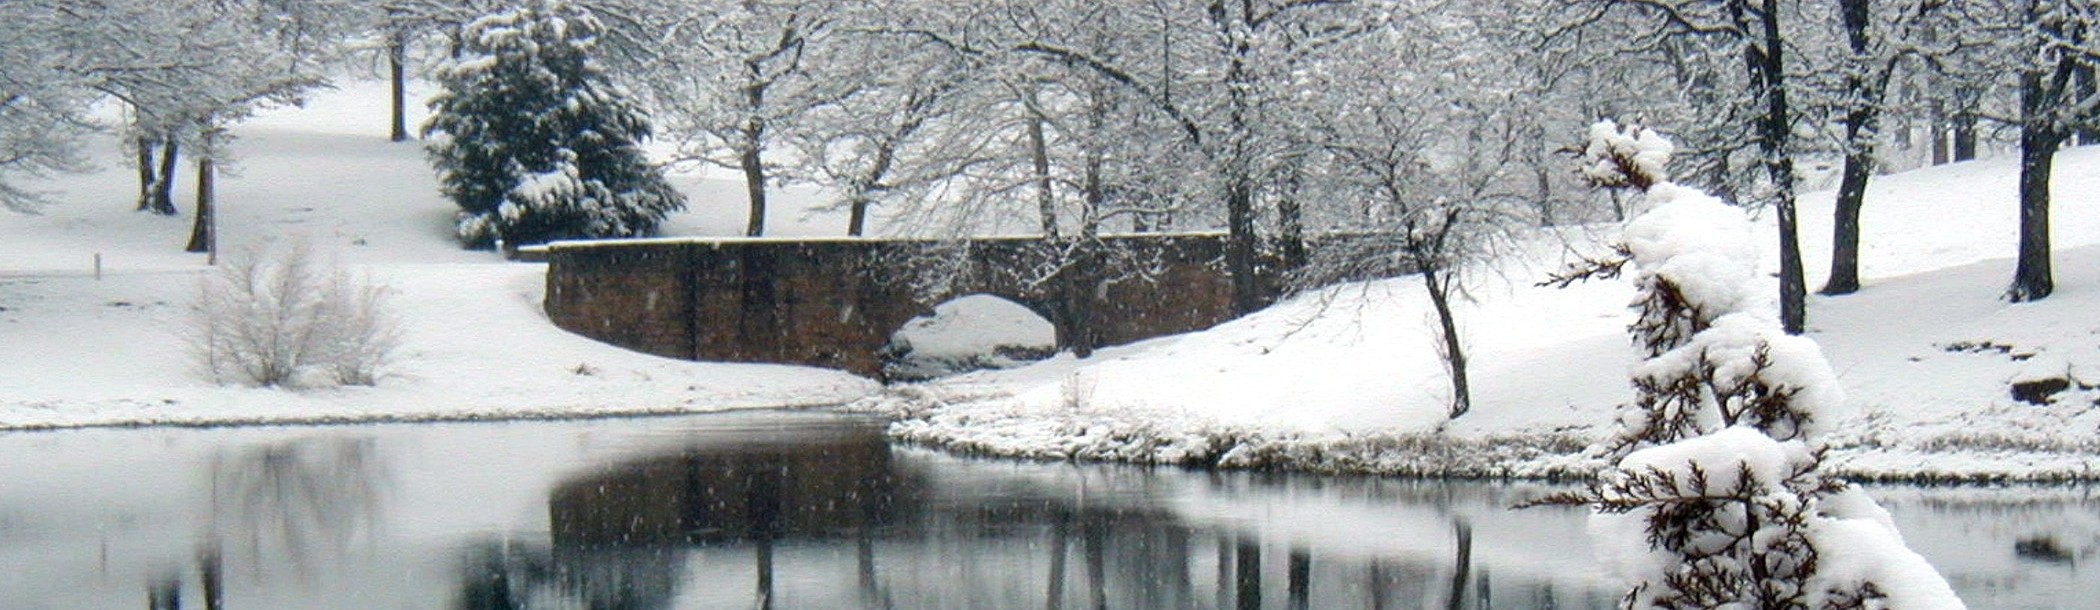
<point>788,511</point>
<point>838,521</point>
<point>293,502</point>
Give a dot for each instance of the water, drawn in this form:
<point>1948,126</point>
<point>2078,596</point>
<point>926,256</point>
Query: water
<point>788,510</point>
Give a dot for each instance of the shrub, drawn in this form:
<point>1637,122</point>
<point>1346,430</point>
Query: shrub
<point>274,317</point>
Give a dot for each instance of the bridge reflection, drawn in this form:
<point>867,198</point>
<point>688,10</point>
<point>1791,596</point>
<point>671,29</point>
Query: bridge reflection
<point>842,521</point>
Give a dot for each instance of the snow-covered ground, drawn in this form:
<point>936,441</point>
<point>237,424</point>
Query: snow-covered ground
<point>1347,379</point>
<point>76,350</point>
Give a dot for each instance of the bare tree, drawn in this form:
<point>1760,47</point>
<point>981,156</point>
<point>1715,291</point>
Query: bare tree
<point>42,99</point>
<point>1750,32</point>
<point>1432,159</point>
<point>2056,52</point>
<point>733,77</point>
<point>1877,45</point>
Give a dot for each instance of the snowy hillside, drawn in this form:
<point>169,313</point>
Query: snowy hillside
<point>1350,379</point>
<point>1347,379</point>
<point>75,350</point>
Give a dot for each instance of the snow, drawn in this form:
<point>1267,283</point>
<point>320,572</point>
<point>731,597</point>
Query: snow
<point>971,332</point>
<point>1870,552</point>
<point>1703,246</point>
<point>1648,152</point>
<point>1343,379</point>
<point>1769,463</point>
<point>1348,379</point>
<point>76,350</point>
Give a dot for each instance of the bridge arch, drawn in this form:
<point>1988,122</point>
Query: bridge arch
<point>834,302</point>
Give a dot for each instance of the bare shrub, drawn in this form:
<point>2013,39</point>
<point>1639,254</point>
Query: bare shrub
<point>273,317</point>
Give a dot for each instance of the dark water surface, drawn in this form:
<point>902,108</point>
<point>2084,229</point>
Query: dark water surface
<point>804,510</point>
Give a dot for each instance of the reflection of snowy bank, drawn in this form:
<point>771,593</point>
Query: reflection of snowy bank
<point>90,516</point>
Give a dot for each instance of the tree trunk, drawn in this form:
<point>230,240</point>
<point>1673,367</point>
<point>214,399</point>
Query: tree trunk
<point>1299,581</point>
<point>1039,159</point>
<point>1077,280</point>
<point>754,186</point>
<point>397,72</point>
<point>1290,220</point>
<point>1094,536</point>
<point>857,217</point>
<point>1860,125</point>
<point>203,232</point>
<point>165,593</point>
<point>1060,533</point>
<point>1768,73</point>
<point>749,156</point>
<point>146,175</point>
<point>1942,127</point>
<point>2032,277</point>
<point>213,573</point>
<point>164,186</point>
<point>1544,175</point>
<point>1247,575</point>
<point>857,213</point>
<point>1240,245</point>
<point>1844,245</point>
<point>1438,283</point>
<point>1462,566</point>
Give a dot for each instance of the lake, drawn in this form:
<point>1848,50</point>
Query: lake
<point>813,510</point>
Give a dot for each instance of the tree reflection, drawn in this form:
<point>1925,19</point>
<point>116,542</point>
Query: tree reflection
<point>838,521</point>
<point>295,501</point>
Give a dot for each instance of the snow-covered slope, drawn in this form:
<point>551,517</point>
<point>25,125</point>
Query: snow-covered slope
<point>1346,379</point>
<point>77,350</point>
<point>1350,379</point>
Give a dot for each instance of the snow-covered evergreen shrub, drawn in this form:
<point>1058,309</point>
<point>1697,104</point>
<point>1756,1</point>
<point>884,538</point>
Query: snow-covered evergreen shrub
<point>536,143</point>
<point>1714,498</point>
<point>276,318</point>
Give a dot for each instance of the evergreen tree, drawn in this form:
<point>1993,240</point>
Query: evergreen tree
<point>540,144</point>
<point>1716,496</point>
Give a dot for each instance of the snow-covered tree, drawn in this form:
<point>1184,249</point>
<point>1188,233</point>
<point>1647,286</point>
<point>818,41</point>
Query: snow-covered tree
<point>539,144</point>
<point>1880,42</point>
<point>1419,169</point>
<point>2055,59</point>
<point>1715,496</point>
<point>41,100</point>
<point>893,131</point>
<point>1701,37</point>
<point>733,81</point>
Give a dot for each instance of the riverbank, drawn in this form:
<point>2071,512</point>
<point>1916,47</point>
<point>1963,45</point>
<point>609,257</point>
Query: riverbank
<point>95,298</point>
<point>1946,382</point>
<point>1344,380</point>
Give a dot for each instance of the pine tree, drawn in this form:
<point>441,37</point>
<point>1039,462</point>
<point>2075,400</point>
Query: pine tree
<point>540,144</point>
<point>1716,496</point>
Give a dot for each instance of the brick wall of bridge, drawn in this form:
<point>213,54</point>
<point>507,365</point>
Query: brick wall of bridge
<point>835,303</point>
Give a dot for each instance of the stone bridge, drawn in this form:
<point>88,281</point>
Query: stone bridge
<point>835,302</point>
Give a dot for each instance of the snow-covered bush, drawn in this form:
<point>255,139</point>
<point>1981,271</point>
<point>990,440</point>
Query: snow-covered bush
<point>273,317</point>
<point>536,142</point>
<point>1715,498</point>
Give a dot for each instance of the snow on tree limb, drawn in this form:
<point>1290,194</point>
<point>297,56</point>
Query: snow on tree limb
<point>1715,498</point>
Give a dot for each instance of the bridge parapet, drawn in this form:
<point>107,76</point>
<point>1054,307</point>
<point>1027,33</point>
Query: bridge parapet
<point>835,302</point>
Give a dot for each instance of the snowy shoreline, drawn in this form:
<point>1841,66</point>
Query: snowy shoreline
<point>492,416</point>
<point>1542,456</point>
<point>1343,380</point>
